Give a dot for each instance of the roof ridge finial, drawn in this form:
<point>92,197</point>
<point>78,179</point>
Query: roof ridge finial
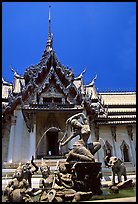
<point>49,40</point>
<point>49,19</point>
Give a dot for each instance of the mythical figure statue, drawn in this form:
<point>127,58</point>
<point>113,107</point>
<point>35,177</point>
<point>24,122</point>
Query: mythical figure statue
<point>58,186</point>
<point>80,153</point>
<point>81,150</point>
<point>18,189</point>
<point>29,169</point>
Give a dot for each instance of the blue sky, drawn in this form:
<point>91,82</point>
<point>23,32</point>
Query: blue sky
<point>100,36</point>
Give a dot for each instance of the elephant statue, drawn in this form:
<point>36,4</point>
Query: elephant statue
<point>118,168</point>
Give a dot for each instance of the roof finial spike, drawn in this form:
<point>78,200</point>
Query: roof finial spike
<point>49,20</point>
<point>49,12</point>
<point>49,40</point>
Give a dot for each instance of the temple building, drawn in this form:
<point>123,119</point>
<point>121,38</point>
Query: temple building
<point>36,106</point>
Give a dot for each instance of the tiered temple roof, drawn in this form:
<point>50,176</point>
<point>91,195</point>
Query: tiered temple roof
<point>121,108</point>
<point>49,85</point>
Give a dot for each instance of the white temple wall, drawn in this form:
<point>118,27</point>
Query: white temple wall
<point>18,139</point>
<point>132,151</point>
<point>32,142</point>
<point>15,142</point>
<point>122,135</point>
<point>134,135</point>
<point>104,135</point>
<point>134,143</point>
<point>25,143</point>
<point>11,140</point>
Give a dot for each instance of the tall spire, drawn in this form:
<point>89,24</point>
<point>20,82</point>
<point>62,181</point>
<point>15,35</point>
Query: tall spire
<point>49,40</point>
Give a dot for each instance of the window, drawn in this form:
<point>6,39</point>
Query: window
<point>125,151</point>
<point>47,100</point>
<point>52,100</point>
<point>58,100</point>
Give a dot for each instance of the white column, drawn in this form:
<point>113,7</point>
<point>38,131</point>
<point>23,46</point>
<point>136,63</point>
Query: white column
<point>113,135</point>
<point>11,139</point>
<point>32,146</point>
<point>17,156</point>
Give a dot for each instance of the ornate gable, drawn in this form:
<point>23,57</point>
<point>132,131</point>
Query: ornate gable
<point>52,79</point>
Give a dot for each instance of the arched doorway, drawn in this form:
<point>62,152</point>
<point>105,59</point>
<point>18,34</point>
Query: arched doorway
<point>52,146</point>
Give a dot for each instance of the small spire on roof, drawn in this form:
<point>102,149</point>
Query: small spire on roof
<point>81,75</point>
<point>16,75</point>
<point>92,82</point>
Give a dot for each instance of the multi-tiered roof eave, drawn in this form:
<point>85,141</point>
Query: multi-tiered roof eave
<point>121,110</point>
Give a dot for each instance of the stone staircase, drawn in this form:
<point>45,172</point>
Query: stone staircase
<point>49,161</point>
<point>9,168</point>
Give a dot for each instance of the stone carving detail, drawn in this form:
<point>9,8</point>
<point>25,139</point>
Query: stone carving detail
<point>113,131</point>
<point>17,189</point>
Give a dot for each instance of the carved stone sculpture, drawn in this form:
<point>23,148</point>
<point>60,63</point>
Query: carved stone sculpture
<point>18,189</point>
<point>80,160</point>
<point>79,126</point>
<point>81,150</point>
<point>80,153</point>
<point>59,186</point>
<point>28,170</point>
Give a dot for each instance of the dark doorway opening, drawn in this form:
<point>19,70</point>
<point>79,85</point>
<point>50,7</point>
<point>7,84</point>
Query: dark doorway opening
<point>52,144</point>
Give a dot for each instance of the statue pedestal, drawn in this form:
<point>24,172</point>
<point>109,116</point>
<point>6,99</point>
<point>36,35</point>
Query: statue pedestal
<point>87,176</point>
